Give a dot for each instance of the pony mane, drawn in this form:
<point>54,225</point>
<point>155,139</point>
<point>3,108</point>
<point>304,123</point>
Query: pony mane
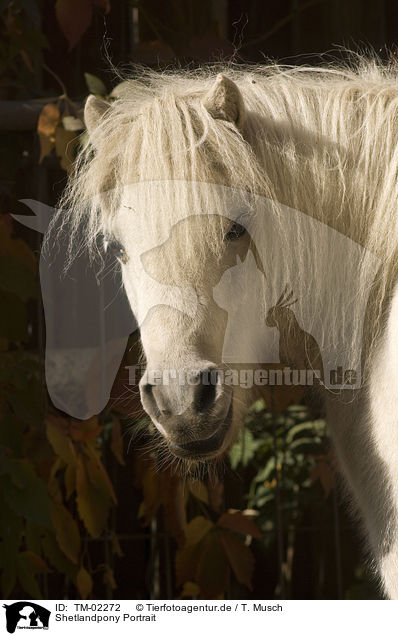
<point>322,140</point>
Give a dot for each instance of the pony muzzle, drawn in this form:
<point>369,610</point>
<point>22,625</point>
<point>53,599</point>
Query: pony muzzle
<point>194,414</point>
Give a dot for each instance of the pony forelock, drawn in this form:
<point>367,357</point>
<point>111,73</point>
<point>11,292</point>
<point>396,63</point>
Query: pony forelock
<point>319,140</point>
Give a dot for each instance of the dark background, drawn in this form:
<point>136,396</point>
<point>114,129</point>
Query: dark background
<point>45,50</point>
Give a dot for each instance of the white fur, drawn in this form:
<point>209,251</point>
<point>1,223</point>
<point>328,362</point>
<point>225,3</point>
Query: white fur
<point>321,141</point>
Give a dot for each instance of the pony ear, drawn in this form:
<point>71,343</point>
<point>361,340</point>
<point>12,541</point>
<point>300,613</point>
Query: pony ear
<point>94,109</point>
<point>224,101</point>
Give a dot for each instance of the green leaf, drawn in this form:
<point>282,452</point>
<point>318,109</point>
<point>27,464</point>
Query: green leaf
<point>25,492</point>
<point>266,472</point>
<point>244,449</point>
<point>95,85</point>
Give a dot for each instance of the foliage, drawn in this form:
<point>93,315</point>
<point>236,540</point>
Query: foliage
<point>21,43</point>
<point>57,483</point>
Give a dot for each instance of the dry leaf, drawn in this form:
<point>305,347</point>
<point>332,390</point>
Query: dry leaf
<point>84,583</point>
<point>46,128</point>
<point>66,530</point>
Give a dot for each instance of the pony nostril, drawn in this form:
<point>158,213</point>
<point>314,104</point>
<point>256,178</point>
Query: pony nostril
<point>207,390</point>
<point>149,401</point>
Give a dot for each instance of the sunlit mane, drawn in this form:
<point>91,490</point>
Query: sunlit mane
<point>314,151</point>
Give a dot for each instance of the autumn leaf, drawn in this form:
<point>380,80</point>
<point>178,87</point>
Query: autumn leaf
<point>66,530</point>
<point>188,555</point>
<point>239,523</point>
<point>212,572</point>
<point>93,505</point>
<point>109,577</point>
<point>56,557</point>
<point>151,494</point>
<point>57,435</point>
<point>46,128</point>
<point>70,480</point>
<point>197,529</point>
<point>239,556</point>
<point>190,590</point>
<point>34,562</point>
<point>173,502</point>
<point>25,493</point>
<point>27,578</point>
<point>85,431</point>
<point>97,473</point>
<point>186,562</point>
<point>84,583</point>
<point>74,17</point>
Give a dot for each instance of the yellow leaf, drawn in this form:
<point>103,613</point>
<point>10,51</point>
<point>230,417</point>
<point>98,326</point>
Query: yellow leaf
<point>109,578</point>
<point>197,529</point>
<point>34,562</point>
<point>174,505</point>
<point>212,572</point>
<point>240,557</point>
<point>59,439</point>
<point>190,590</point>
<point>70,480</point>
<point>85,431</point>
<point>151,495</point>
<point>97,473</point>
<point>66,530</point>
<point>93,505</point>
<point>84,583</point>
<point>46,127</point>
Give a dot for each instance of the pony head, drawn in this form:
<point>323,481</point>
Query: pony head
<point>175,234</point>
<point>168,180</point>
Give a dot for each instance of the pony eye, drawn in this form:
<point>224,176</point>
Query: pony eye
<point>117,250</point>
<point>235,232</point>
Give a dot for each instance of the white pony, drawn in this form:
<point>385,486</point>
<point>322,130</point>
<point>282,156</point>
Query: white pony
<point>160,179</point>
